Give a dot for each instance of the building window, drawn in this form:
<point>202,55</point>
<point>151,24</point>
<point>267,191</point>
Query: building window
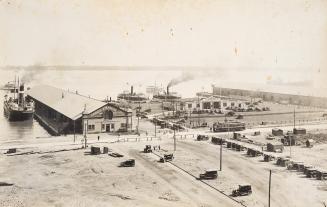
<point>224,104</point>
<point>206,105</point>
<point>240,105</point>
<point>123,125</point>
<point>112,126</point>
<point>91,127</point>
<point>216,105</point>
<point>102,126</point>
<point>232,104</point>
<point>108,114</point>
<point>189,106</point>
<point>198,105</point>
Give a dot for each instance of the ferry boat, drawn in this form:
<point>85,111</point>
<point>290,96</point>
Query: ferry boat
<point>167,95</point>
<point>17,107</point>
<point>132,96</point>
<point>10,86</point>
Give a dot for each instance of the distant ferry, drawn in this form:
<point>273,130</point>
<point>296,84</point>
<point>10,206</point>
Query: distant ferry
<point>132,96</point>
<point>17,107</point>
<point>10,86</point>
<point>167,95</point>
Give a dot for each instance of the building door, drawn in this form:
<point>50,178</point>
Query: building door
<point>107,127</point>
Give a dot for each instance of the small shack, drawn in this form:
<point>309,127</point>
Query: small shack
<point>275,147</point>
<point>277,132</point>
<point>299,131</point>
<point>309,143</point>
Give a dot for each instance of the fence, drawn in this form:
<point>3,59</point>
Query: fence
<point>138,139</point>
<point>185,136</point>
<point>297,122</point>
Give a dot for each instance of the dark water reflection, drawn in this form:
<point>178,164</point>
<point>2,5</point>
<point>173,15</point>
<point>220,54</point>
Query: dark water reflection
<point>18,131</point>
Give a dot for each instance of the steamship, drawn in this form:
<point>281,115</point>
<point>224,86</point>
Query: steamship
<point>132,96</point>
<point>167,95</point>
<point>10,86</point>
<point>18,107</point>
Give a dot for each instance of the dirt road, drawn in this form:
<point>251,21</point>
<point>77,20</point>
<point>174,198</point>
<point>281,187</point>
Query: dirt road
<point>287,187</point>
<point>188,188</point>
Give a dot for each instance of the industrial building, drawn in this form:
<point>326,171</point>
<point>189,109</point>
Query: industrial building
<point>274,97</point>
<point>211,103</point>
<point>64,112</point>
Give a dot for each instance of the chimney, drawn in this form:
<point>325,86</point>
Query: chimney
<point>131,90</point>
<point>21,88</point>
<point>167,90</point>
<point>110,99</point>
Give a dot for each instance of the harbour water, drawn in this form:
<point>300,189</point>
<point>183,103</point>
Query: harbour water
<point>18,131</point>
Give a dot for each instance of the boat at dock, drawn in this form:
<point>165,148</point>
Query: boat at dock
<point>16,106</point>
<point>10,86</point>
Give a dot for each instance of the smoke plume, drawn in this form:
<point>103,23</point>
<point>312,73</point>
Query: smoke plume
<point>30,74</point>
<point>182,78</point>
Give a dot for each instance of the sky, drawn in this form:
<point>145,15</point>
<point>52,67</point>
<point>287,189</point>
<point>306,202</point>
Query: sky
<point>282,42</point>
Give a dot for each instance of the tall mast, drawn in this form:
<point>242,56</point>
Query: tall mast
<point>18,91</point>
<point>15,87</point>
<point>294,118</point>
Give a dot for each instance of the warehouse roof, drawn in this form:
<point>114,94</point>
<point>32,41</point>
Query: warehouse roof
<point>67,103</point>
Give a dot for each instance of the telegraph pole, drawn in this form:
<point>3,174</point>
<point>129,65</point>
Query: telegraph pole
<point>155,127</point>
<point>269,188</point>
<point>138,116</point>
<point>174,140</point>
<point>221,155</point>
<point>199,110</point>
<point>74,132</point>
<point>291,137</point>
<point>85,141</point>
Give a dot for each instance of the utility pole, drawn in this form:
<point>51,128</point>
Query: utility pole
<point>138,116</point>
<point>291,137</point>
<point>199,110</point>
<point>155,127</point>
<point>174,140</point>
<point>74,132</point>
<point>85,138</point>
<point>269,188</point>
<point>221,155</point>
<point>294,118</point>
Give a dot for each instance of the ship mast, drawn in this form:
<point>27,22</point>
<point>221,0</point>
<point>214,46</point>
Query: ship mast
<point>14,87</point>
<point>17,92</point>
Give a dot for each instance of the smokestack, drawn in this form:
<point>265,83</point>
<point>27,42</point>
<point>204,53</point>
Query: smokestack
<point>21,95</point>
<point>167,90</point>
<point>21,88</point>
<point>131,90</point>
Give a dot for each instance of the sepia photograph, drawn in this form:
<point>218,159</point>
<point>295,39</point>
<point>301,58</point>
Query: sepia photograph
<point>202,103</point>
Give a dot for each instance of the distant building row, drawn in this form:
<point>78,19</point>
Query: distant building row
<point>212,103</point>
<point>274,97</point>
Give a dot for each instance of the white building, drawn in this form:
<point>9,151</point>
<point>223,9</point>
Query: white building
<point>212,103</point>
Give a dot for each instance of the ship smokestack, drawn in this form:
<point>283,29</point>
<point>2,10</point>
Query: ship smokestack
<point>167,90</point>
<point>132,90</point>
<point>21,88</point>
<point>21,95</point>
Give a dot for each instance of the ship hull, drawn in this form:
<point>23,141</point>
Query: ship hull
<point>13,115</point>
